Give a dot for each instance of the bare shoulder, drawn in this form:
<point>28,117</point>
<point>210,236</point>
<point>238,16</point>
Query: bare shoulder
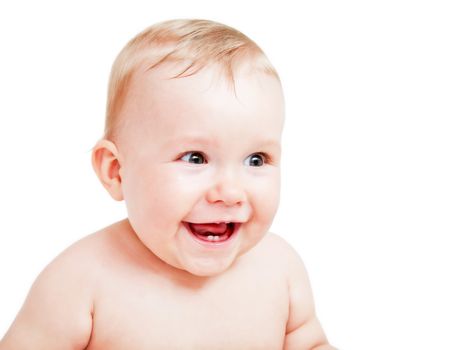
<point>303,330</point>
<point>78,262</point>
<point>58,310</point>
<point>276,247</point>
<point>277,254</point>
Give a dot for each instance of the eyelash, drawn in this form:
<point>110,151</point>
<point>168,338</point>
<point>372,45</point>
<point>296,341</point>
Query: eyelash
<point>266,158</point>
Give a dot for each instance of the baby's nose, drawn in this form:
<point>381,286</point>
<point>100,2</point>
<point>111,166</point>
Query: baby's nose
<point>227,189</point>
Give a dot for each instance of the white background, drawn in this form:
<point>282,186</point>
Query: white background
<point>377,173</point>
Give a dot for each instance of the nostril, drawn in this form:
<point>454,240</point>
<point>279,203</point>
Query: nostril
<point>228,195</point>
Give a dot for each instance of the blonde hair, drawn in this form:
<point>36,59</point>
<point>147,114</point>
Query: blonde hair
<point>196,42</point>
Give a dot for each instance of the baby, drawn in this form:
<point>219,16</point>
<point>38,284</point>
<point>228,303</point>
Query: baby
<point>192,144</point>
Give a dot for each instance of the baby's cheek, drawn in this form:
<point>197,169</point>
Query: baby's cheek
<point>144,194</point>
<point>267,195</point>
<point>172,195</point>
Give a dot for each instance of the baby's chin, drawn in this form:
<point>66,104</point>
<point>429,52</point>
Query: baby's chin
<point>207,267</point>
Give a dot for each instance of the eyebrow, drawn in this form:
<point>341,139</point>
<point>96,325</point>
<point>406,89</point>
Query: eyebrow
<point>199,140</point>
<point>270,143</point>
<point>188,139</point>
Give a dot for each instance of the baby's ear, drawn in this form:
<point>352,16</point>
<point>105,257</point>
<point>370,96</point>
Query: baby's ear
<point>106,165</point>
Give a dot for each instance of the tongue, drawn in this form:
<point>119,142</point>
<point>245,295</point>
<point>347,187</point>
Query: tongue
<point>214,229</point>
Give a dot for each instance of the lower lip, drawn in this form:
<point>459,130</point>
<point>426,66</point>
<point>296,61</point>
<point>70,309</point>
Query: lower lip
<point>214,244</point>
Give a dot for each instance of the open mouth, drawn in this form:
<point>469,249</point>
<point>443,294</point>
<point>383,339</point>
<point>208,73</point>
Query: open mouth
<point>212,232</point>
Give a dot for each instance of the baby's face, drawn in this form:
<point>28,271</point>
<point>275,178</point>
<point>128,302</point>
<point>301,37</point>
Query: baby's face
<point>197,158</point>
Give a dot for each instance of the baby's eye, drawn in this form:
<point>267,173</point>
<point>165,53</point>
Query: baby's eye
<point>256,159</point>
<point>194,158</point>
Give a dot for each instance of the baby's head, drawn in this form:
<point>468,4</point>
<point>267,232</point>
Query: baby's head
<point>192,142</point>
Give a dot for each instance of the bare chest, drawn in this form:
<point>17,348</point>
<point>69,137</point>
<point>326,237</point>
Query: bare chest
<point>244,313</point>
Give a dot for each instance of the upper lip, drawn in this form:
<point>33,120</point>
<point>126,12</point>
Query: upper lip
<point>215,222</point>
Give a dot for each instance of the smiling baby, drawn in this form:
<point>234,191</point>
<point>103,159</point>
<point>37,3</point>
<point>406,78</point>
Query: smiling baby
<point>192,145</point>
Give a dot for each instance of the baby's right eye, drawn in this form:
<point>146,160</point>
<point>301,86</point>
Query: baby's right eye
<point>193,158</point>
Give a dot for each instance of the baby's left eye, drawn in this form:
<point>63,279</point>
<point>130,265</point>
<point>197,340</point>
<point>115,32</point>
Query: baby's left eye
<point>256,159</point>
<point>194,158</point>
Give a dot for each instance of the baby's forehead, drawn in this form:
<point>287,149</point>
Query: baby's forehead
<point>160,88</point>
<point>183,74</point>
<point>157,99</point>
<point>203,115</point>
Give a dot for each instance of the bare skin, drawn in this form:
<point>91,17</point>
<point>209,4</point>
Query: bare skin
<point>193,151</point>
<point>108,291</point>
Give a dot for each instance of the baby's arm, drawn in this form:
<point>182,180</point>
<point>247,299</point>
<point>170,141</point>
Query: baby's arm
<point>56,313</point>
<point>303,330</point>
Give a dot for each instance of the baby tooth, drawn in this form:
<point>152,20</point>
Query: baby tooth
<point>213,238</point>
